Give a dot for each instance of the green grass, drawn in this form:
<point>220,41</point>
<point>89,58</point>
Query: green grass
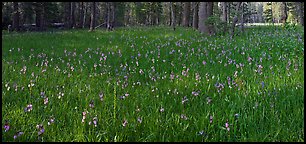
<point>140,61</point>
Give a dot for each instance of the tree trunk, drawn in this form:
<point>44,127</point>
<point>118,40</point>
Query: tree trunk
<point>85,15</point>
<point>224,16</point>
<point>210,6</point>
<point>235,19</point>
<point>203,17</point>
<point>93,16</point>
<point>224,11</point>
<point>284,13</point>
<point>110,21</point>
<point>242,19</point>
<point>186,14</point>
<point>16,16</point>
<point>72,14</point>
<point>67,14</point>
<point>195,15</point>
<point>228,12</point>
<point>300,12</point>
<point>113,15</point>
<point>173,22</point>
<point>39,16</point>
<point>81,16</point>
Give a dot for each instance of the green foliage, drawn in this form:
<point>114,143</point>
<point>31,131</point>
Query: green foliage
<point>155,68</point>
<point>268,14</point>
<point>119,12</point>
<point>219,26</point>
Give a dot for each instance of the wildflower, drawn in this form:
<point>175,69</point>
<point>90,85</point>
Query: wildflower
<point>101,95</point>
<point>184,99</point>
<point>227,125</point>
<point>209,100</point>
<point>198,77</point>
<point>84,117</point>
<point>204,62</point>
<point>162,110</point>
<point>195,93</point>
<point>139,120</point>
<point>183,117</point>
<point>19,133</point>
<point>51,121</point>
<point>125,122</point>
<point>42,94</point>
<point>94,120</point>
<point>6,126</point>
<point>172,76</point>
<point>262,84</point>
<point>60,94</point>
<point>201,132</point>
<point>210,119</point>
<point>137,109</point>
<point>28,108</point>
<point>41,129</point>
<point>91,104</point>
<point>236,115</point>
<point>46,100</point>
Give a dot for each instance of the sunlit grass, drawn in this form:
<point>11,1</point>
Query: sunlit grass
<point>255,83</point>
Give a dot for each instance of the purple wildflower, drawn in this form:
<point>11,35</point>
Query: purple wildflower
<point>172,76</point>
<point>195,93</point>
<point>94,120</point>
<point>51,120</point>
<point>41,129</point>
<point>101,95</point>
<point>204,62</point>
<point>42,94</point>
<point>6,126</point>
<point>184,99</point>
<point>46,100</point>
<point>227,125</point>
<point>91,104</point>
<point>84,117</point>
<point>28,108</point>
<point>125,122</point>
<point>211,119</point>
<point>262,84</point>
<point>19,133</point>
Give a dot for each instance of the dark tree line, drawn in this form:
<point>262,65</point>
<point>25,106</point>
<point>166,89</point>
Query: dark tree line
<point>207,17</point>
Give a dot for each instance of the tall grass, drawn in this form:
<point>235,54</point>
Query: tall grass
<point>154,84</point>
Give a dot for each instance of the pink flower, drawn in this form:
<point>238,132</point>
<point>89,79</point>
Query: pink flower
<point>41,129</point>
<point>46,100</point>
<point>95,119</point>
<point>125,122</point>
<point>204,62</point>
<point>227,125</point>
<point>210,119</point>
<point>91,104</point>
<point>6,126</point>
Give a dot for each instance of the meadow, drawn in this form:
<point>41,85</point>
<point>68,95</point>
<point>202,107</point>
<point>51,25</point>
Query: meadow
<point>153,84</point>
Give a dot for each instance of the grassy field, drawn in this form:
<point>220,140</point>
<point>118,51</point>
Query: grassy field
<point>153,84</point>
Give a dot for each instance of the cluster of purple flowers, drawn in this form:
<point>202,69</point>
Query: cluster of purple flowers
<point>28,108</point>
